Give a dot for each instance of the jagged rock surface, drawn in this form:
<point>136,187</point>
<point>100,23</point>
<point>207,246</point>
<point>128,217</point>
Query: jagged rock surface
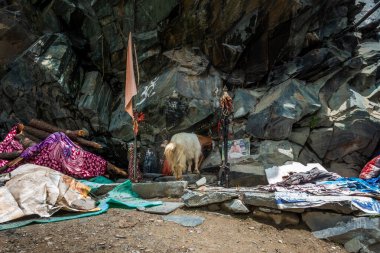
<point>294,79</point>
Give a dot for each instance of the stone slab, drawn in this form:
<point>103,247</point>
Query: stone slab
<point>268,199</point>
<point>321,220</point>
<point>196,199</point>
<point>190,178</point>
<point>235,206</point>
<point>185,220</point>
<point>173,189</point>
<point>165,208</point>
<point>201,182</point>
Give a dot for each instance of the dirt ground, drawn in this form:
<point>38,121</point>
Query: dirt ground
<point>121,230</point>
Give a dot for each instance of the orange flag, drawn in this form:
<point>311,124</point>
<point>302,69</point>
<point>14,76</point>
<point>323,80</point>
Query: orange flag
<point>130,83</point>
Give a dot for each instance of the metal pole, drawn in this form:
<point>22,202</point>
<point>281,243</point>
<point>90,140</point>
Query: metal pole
<point>226,109</point>
<point>134,157</point>
<point>355,25</point>
<point>369,13</point>
<point>225,141</point>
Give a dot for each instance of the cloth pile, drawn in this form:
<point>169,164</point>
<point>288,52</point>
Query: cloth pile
<point>43,183</point>
<point>313,187</point>
<point>38,190</point>
<point>57,152</point>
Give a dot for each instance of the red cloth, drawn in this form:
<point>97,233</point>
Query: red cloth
<point>371,169</point>
<point>130,83</point>
<point>10,144</point>
<point>166,170</point>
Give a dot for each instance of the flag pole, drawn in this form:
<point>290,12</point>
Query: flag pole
<point>134,152</point>
<point>135,119</point>
<point>130,103</point>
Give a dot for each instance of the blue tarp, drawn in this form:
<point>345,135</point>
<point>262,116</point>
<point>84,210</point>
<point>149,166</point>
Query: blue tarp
<point>357,184</point>
<point>354,191</point>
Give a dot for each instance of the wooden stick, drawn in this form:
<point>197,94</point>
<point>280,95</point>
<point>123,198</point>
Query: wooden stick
<point>11,163</point>
<point>116,170</point>
<point>25,142</point>
<point>39,124</point>
<point>43,134</point>
<point>36,132</point>
<point>31,137</point>
<point>87,143</point>
<point>10,155</point>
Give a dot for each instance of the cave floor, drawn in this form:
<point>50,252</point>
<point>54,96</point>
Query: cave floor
<point>122,230</point>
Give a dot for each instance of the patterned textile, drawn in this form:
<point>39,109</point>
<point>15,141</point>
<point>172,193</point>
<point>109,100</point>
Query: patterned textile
<point>58,152</point>
<point>9,144</point>
<point>371,169</point>
<point>312,176</point>
<point>131,150</point>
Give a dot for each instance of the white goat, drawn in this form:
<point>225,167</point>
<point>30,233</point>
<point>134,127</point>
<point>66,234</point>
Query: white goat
<point>183,149</point>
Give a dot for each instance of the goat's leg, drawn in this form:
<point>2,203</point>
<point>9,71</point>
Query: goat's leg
<point>190,164</point>
<point>179,173</point>
<point>196,171</point>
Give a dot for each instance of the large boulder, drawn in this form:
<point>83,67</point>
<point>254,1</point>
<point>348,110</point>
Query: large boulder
<point>191,62</point>
<point>95,101</point>
<point>43,82</point>
<point>280,108</point>
<point>247,171</point>
<point>121,122</point>
<point>198,95</point>
<point>319,140</point>
<point>14,34</point>
<point>355,131</point>
<point>250,170</point>
<point>364,229</point>
<point>244,102</point>
<point>308,66</point>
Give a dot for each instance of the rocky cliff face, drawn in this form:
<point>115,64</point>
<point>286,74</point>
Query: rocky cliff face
<point>303,90</point>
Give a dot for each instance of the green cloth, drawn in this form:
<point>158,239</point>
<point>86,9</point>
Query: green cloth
<point>99,180</point>
<point>121,196</point>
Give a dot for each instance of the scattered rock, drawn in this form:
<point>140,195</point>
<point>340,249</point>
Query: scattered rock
<point>357,234</point>
<point>185,220</point>
<point>165,208</point>
<point>235,206</point>
<point>201,182</point>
